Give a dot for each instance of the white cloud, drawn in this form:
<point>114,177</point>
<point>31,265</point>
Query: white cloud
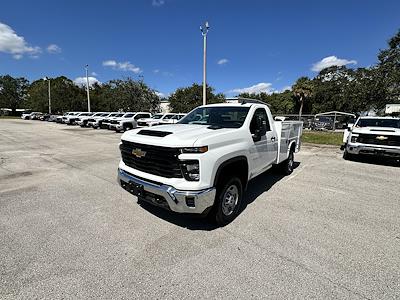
<point>158,3</point>
<point>331,61</point>
<point>163,73</point>
<point>81,81</point>
<point>14,44</point>
<point>286,88</point>
<point>223,61</point>
<point>124,66</point>
<point>93,74</point>
<point>262,87</point>
<point>161,95</point>
<point>53,49</point>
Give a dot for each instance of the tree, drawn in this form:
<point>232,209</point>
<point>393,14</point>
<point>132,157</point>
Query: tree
<point>13,92</point>
<point>388,70</point>
<point>279,103</point>
<point>131,95</point>
<point>186,99</point>
<point>302,90</point>
<point>65,95</point>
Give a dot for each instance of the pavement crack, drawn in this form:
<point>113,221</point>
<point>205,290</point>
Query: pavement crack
<point>82,169</point>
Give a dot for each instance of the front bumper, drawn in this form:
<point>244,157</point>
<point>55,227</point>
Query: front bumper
<point>166,196</point>
<point>375,150</point>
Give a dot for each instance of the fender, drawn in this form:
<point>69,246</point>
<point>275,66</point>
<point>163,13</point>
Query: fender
<point>226,163</point>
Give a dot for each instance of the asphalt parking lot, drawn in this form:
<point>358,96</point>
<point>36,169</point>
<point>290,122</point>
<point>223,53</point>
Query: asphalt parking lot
<point>67,230</point>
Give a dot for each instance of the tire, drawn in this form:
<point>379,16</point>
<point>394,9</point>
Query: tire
<point>347,155</point>
<point>128,127</point>
<point>228,201</point>
<point>288,165</point>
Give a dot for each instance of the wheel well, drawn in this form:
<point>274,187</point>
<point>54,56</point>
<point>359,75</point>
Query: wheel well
<point>235,166</point>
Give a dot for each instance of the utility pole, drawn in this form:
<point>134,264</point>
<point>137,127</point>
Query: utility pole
<point>204,31</point>
<point>87,87</point>
<point>49,91</point>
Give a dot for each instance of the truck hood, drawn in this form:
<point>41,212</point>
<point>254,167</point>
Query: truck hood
<point>376,130</point>
<point>179,135</point>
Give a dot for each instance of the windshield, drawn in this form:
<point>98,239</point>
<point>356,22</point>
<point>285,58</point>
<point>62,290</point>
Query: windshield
<point>119,115</point>
<point>167,117</point>
<point>128,115</point>
<point>224,117</point>
<point>394,123</point>
<point>157,117</point>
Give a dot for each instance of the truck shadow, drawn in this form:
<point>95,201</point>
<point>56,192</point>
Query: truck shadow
<point>256,187</point>
<point>377,161</point>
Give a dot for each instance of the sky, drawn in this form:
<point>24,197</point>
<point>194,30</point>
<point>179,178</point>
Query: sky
<point>253,46</point>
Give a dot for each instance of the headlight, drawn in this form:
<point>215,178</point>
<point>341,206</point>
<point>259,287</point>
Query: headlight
<point>191,170</point>
<point>194,149</point>
<point>354,138</point>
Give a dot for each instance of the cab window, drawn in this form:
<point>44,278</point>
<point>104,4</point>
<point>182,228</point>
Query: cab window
<point>262,114</point>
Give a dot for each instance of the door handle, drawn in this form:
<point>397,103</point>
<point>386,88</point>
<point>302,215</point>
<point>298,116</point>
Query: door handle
<point>273,139</point>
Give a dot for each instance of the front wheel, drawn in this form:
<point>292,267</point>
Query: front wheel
<point>228,201</point>
<point>128,127</point>
<point>347,155</point>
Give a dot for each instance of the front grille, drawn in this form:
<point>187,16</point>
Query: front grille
<point>90,120</point>
<point>157,160</point>
<point>374,139</point>
<point>114,122</point>
<point>142,123</point>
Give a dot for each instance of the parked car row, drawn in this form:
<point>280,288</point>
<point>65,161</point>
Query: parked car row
<point>117,121</point>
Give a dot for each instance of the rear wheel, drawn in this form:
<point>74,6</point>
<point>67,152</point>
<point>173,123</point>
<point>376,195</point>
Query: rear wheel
<point>228,201</point>
<point>287,166</point>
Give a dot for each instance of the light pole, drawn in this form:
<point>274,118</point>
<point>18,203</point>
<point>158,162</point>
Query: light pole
<point>49,90</point>
<point>204,31</point>
<point>87,87</point>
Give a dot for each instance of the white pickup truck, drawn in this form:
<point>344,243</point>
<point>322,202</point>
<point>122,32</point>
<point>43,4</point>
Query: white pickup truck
<point>127,121</point>
<point>377,136</point>
<point>203,163</point>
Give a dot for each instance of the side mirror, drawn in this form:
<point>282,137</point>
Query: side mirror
<point>349,126</point>
<point>261,129</point>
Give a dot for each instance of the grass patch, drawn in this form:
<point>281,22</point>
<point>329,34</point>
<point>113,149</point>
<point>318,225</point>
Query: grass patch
<point>322,137</point>
<point>9,117</point>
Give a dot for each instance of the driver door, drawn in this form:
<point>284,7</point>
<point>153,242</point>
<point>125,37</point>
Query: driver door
<point>259,149</point>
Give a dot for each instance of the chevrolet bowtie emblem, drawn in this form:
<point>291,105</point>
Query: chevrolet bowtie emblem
<point>138,152</point>
<point>381,138</point>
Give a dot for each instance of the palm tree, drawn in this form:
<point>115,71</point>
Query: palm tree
<point>303,89</point>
